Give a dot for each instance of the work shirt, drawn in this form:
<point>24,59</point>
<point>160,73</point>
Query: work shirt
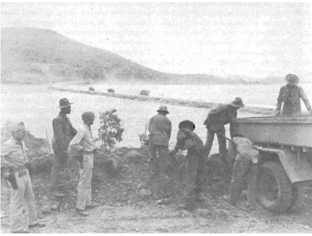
<point>83,141</point>
<point>244,147</point>
<point>14,153</point>
<point>290,95</point>
<point>188,140</point>
<point>160,130</point>
<point>63,132</point>
<point>220,116</point>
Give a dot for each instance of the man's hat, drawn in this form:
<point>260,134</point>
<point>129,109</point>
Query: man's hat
<point>237,102</point>
<point>16,126</point>
<point>163,109</point>
<point>87,115</point>
<point>292,79</point>
<point>64,103</point>
<point>187,124</point>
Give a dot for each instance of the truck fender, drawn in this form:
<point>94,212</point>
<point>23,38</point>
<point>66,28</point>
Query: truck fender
<point>297,168</point>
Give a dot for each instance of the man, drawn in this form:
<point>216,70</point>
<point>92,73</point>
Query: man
<point>188,140</point>
<point>246,162</point>
<point>216,119</point>
<point>160,132</point>
<point>84,143</point>
<point>14,155</point>
<point>63,134</point>
<point>290,95</point>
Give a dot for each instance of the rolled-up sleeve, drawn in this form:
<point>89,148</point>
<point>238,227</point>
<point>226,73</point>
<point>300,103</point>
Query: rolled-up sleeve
<point>75,143</point>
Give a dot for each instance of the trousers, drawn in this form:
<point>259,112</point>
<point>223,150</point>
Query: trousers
<point>58,174</point>
<point>23,205</point>
<point>210,137</point>
<point>158,163</point>
<point>84,197</point>
<point>192,180</point>
<point>243,166</point>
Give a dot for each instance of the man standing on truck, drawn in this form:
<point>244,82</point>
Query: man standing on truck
<point>246,162</point>
<point>290,95</point>
<point>160,132</point>
<point>216,119</point>
<point>63,134</point>
<point>23,213</point>
<point>188,140</point>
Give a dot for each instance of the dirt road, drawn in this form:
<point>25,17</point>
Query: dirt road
<point>216,217</point>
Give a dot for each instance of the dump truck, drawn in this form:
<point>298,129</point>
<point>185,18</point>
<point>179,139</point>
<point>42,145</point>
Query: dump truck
<point>285,146</point>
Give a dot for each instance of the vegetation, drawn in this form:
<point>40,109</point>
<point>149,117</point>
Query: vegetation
<point>111,129</point>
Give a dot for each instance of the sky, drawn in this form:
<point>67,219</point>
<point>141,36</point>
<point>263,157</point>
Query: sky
<point>254,40</point>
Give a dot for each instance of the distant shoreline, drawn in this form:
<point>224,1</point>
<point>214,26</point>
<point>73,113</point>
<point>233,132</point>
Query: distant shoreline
<point>263,110</point>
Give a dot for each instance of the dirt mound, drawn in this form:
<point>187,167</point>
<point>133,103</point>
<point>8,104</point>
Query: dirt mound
<point>123,177</point>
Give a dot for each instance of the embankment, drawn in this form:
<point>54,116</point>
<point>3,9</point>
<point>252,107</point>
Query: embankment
<point>181,102</point>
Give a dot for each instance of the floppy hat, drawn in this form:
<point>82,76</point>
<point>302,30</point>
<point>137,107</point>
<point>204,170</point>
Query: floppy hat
<point>187,124</point>
<point>64,103</point>
<point>237,102</point>
<point>292,79</point>
<point>163,109</point>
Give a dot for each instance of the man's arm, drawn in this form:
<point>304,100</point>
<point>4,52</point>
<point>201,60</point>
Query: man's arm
<point>169,129</point>
<point>279,101</point>
<point>75,143</point>
<point>59,133</point>
<point>305,99</point>
<point>5,151</point>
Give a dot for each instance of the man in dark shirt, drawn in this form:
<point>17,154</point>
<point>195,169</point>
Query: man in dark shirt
<point>188,140</point>
<point>216,119</point>
<point>160,132</point>
<point>63,134</point>
<point>290,95</point>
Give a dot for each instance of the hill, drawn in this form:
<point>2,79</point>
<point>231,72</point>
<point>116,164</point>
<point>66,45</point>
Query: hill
<point>31,55</point>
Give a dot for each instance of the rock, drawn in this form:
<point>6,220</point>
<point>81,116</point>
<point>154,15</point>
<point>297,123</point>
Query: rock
<point>145,192</point>
<point>46,210</point>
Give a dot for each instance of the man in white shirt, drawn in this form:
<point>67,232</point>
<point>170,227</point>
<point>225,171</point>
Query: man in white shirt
<point>23,203</point>
<point>84,143</point>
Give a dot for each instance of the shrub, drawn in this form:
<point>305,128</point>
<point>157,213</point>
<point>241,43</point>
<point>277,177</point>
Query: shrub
<point>111,129</point>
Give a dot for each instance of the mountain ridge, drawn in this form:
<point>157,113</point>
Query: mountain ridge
<point>35,55</point>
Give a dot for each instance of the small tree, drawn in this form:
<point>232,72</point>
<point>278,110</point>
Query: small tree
<point>111,128</point>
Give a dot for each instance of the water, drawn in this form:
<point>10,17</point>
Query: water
<point>37,105</point>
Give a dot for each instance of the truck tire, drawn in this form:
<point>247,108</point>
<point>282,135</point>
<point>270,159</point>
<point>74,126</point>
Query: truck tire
<point>297,197</point>
<point>275,189</point>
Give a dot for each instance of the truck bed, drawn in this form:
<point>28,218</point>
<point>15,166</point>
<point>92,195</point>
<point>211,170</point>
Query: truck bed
<point>282,130</point>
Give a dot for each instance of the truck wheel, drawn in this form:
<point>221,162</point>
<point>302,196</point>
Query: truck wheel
<point>275,189</point>
<point>297,197</point>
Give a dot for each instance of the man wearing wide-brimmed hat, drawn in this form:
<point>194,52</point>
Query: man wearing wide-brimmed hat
<point>63,134</point>
<point>216,119</point>
<point>23,213</point>
<point>290,95</point>
<point>160,132</point>
<point>190,141</point>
